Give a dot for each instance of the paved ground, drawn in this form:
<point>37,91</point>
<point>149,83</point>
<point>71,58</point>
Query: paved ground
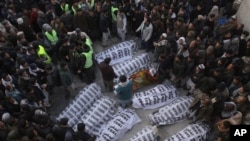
<point>59,102</point>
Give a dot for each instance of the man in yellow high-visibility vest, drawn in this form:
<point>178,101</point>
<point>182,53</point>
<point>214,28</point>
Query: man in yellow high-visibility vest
<point>114,11</point>
<point>86,65</point>
<point>65,7</point>
<point>42,54</point>
<point>76,5</point>
<point>51,35</point>
<point>82,36</point>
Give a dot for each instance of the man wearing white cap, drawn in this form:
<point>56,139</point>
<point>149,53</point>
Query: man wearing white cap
<point>160,46</point>
<point>195,77</point>
<point>27,30</point>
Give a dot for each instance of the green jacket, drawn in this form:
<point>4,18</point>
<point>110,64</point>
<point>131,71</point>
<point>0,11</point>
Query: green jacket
<point>124,91</point>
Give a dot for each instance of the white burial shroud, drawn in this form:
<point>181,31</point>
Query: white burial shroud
<point>81,103</point>
<point>156,97</point>
<point>193,132</point>
<point>118,125</point>
<point>175,111</point>
<point>99,114</point>
<point>148,133</point>
<point>118,53</point>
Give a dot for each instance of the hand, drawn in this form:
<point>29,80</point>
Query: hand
<point>213,100</point>
<point>44,86</point>
<point>78,71</point>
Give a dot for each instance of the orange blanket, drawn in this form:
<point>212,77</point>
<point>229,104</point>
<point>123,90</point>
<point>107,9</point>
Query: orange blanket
<point>142,78</point>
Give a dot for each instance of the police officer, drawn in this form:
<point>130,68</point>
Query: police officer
<point>51,35</point>
<point>42,54</point>
<point>65,7</point>
<point>86,64</point>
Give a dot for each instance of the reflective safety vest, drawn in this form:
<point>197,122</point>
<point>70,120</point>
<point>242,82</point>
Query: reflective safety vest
<point>114,16</point>
<point>89,43</point>
<point>89,60</point>
<point>41,53</point>
<point>74,10</point>
<point>52,37</point>
<point>66,9</point>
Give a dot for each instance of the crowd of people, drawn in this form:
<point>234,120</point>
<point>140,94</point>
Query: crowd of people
<point>199,45</point>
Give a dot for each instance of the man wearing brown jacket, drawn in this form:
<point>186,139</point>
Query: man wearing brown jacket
<point>108,74</point>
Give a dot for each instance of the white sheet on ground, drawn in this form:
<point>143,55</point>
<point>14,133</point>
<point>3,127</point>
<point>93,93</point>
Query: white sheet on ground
<point>173,112</point>
<point>148,133</point>
<point>118,125</point>
<point>156,97</point>
<point>81,103</point>
<point>118,53</point>
<point>193,132</point>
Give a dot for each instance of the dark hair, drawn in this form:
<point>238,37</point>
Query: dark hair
<point>246,33</point>
<point>64,121</point>
<point>31,98</point>
<point>20,72</point>
<point>226,124</point>
<point>21,123</point>
<point>4,75</point>
<point>238,78</point>
<point>35,45</point>
<point>80,126</point>
<point>212,15</point>
<point>107,60</point>
<point>122,78</point>
<point>25,107</point>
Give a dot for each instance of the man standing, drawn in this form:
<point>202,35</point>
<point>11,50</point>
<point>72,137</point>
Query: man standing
<point>121,24</point>
<point>146,29</point>
<point>81,20</point>
<point>160,46</point>
<point>104,27</point>
<point>51,35</point>
<point>108,74</point>
<point>81,134</point>
<point>42,54</point>
<point>124,91</point>
<point>86,65</point>
<point>67,79</point>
